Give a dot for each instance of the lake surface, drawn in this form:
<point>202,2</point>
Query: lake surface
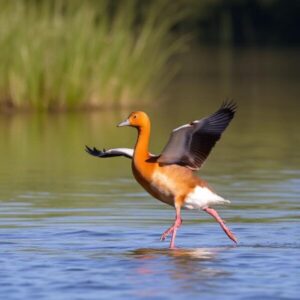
<point>77,227</point>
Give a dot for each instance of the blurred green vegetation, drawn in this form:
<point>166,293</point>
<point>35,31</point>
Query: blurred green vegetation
<point>70,54</point>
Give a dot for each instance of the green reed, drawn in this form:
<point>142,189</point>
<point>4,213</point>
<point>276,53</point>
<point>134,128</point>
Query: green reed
<point>80,54</point>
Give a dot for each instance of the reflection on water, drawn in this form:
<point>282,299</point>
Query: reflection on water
<point>184,268</point>
<point>181,263</point>
<point>182,255</point>
<point>76,227</point>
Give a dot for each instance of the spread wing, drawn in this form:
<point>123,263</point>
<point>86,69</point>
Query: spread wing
<point>110,153</point>
<point>190,144</point>
<point>127,152</point>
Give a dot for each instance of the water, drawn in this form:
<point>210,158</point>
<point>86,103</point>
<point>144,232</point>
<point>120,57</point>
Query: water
<point>77,227</point>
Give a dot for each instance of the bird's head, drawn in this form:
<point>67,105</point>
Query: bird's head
<point>136,119</point>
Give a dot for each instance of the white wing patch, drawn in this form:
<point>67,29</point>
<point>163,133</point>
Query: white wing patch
<point>202,197</point>
<point>126,151</point>
<point>121,151</point>
<point>183,126</point>
<point>186,125</point>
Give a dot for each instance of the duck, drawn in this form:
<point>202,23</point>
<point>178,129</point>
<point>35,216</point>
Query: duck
<point>171,176</point>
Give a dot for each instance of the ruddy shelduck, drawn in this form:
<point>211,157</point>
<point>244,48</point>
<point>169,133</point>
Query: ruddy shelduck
<point>170,177</point>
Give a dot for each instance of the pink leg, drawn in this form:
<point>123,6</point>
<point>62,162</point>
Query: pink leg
<point>173,229</point>
<point>215,214</point>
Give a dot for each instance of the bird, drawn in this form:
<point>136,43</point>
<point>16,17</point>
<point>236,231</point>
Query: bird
<point>171,176</point>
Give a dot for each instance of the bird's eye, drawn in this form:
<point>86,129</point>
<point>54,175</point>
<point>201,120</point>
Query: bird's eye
<point>134,116</point>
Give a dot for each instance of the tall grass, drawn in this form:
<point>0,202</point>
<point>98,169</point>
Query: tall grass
<point>74,54</point>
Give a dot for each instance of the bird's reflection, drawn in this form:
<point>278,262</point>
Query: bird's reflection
<point>160,270</point>
<point>183,254</point>
<point>191,264</point>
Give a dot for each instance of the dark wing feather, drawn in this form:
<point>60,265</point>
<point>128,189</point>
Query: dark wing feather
<point>110,153</point>
<point>190,144</point>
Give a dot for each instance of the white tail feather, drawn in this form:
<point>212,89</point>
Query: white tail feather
<point>202,197</point>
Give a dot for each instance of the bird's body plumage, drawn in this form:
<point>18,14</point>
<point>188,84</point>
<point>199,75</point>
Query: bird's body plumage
<point>170,177</point>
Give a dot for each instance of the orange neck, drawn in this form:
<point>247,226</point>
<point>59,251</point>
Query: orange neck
<point>141,153</point>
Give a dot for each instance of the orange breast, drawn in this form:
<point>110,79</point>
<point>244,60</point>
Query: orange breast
<point>169,184</point>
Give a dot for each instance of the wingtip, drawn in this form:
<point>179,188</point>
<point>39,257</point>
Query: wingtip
<point>92,151</point>
<point>229,104</point>
<point>87,149</point>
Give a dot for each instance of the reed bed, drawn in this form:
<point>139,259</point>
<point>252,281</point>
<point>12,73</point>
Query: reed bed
<point>64,55</point>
